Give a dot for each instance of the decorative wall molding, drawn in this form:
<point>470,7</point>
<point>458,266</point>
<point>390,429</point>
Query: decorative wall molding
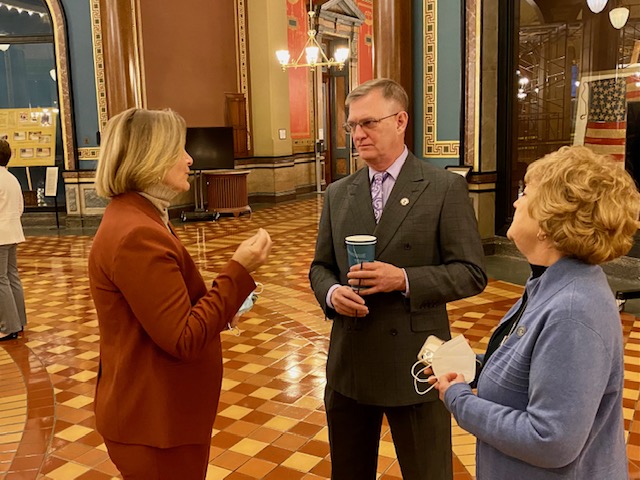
<point>98,63</point>
<point>243,62</point>
<point>432,146</point>
<point>90,153</point>
<point>64,88</point>
<point>473,52</point>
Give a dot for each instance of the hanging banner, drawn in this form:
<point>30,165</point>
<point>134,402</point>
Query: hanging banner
<point>31,132</point>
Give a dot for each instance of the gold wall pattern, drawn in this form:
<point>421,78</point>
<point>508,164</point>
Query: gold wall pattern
<point>432,146</point>
<point>241,55</point>
<point>88,153</point>
<point>98,64</point>
<point>64,95</point>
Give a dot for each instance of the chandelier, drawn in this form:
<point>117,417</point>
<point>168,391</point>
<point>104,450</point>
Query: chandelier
<point>314,55</point>
<point>618,17</point>
<point>596,6</point>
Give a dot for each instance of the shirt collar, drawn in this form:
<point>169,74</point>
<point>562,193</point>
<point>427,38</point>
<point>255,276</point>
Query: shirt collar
<point>396,166</point>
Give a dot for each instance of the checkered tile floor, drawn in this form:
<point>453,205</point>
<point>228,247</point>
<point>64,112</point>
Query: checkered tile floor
<point>270,422</point>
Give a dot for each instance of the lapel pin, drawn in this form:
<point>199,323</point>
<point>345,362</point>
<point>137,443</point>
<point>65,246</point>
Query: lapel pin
<point>404,202</point>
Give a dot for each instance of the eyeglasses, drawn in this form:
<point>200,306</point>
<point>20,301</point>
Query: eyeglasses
<point>368,124</point>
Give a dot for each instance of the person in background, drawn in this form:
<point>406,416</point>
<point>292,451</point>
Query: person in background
<point>428,253</point>
<point>13,317</point>
<point>160,371</point>
<point>549,401</point>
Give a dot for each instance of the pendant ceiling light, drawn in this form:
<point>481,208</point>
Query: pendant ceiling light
<point>619,17</point>
<point>596,6</point>
<point>313,52</point>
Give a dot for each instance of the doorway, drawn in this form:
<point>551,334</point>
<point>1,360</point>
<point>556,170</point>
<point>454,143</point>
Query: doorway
<point>336,145</point>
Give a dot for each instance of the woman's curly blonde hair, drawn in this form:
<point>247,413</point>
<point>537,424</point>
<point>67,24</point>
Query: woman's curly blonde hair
<point>587,204</point>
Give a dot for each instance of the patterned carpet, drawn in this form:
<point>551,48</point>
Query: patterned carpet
<point>271,422</point>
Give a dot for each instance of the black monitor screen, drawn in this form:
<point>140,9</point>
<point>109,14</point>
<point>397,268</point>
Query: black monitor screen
<point>210,147</point>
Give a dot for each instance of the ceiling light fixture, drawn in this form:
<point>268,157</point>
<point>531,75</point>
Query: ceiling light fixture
<point>22,9</point>
<point>596,6</point>
<point>619,17</point>
<point>314,55</point>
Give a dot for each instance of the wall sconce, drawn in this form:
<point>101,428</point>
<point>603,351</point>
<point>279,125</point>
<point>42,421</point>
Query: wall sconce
<point>312,51</point>
<point>4,47</point>
<point>619,17</point>
<point>596,6</point>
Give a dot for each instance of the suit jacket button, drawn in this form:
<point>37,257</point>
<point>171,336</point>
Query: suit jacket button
<point>393,332</point>
<point>407,246</point>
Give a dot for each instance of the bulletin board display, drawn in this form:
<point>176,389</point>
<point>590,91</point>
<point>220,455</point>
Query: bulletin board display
<point>31,132</point>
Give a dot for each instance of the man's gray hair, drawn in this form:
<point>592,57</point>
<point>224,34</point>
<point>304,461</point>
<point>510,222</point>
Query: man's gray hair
<point>391,90</point>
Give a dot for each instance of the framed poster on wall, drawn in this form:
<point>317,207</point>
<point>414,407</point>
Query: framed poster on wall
<point>31,132</point>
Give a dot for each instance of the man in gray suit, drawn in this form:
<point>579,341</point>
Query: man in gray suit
<point>428,253</point>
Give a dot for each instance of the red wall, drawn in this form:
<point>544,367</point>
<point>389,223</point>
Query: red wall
<point>299,101</point>
<point>365,48</point>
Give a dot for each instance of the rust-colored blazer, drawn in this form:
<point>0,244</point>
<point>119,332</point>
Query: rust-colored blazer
<point>160,355</point>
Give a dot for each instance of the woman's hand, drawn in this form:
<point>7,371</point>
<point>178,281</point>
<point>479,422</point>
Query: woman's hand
<point>443,382</point>
<point>253,252</point>
<point>234,322</point>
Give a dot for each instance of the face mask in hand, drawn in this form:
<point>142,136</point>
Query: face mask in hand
<point>246,306</point>
<point>443,357</point>
<point>251,299</point>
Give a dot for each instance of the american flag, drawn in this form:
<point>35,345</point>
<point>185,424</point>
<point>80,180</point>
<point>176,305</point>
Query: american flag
<point>607,121</point>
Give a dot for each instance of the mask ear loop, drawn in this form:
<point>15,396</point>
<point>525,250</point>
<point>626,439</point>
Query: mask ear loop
<point>234,330</point>
<point>258,286</point>
<point>417,379</point>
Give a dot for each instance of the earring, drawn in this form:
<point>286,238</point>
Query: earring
<point>541,236</point>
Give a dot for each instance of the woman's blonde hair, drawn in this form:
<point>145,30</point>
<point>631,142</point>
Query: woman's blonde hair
<point>587,204</point>
<point>138,148</point>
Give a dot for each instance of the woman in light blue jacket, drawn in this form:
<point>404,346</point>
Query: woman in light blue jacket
<point>549,399</point>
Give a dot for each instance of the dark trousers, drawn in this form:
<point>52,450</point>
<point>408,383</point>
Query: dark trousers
<point>421,436</point>
<point>141,462</point>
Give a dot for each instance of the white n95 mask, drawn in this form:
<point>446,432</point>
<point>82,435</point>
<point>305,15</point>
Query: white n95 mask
<point>443,357</point>
<point>250,300</point>
<point>246,306</point>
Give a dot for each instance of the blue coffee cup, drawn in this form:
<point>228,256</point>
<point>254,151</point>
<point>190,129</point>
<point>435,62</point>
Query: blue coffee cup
<point>360,248</point>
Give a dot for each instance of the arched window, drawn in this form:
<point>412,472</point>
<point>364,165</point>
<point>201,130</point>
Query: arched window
<point>29,96</point>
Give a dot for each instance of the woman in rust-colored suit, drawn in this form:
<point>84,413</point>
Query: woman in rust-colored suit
<point>160,354</point>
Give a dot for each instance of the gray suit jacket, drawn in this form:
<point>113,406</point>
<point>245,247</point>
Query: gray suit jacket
<point>434,237</point>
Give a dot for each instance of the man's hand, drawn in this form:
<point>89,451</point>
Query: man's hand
<point>378,276</point>
<point>347,302</point>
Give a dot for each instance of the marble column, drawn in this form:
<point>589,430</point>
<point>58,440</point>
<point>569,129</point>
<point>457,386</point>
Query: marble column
<point>267,20</point>
<point>121,59</point>
<point>393,48</point>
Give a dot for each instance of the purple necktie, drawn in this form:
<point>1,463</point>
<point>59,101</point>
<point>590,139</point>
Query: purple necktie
<point>377,197</point>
